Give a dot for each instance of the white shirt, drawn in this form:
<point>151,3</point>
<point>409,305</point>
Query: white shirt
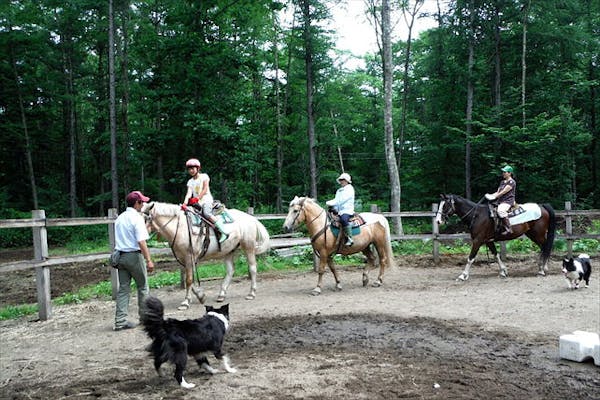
<point>197,184</point>
<point>344,200</point>
<point>130,229</point>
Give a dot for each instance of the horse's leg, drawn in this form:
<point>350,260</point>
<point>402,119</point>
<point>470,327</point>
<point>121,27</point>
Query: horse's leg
<point>474,249</point>
<point>189,281</point>
<point>370,265</point>
<point>322,264</point>
<point>252,273</point>
<point>542,263</point>
<point>229,268</point>
<point>338,284</point>
<point>501,266</point>
<point>383,258</point>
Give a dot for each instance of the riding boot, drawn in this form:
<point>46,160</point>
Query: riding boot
<point>348,231</point>
<point>507,228</point>
<point>221,228</point>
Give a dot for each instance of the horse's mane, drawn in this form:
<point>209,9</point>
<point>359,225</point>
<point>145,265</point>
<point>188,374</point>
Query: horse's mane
<point>302,200</point>
<point>166,209</point>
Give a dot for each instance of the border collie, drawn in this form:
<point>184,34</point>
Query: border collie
<point>576,270</point>
<point>173,340</point>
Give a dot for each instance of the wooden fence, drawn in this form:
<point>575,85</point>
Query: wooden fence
<point>42,262</point>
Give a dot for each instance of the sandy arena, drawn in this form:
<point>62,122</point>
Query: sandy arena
<point>420,336</point>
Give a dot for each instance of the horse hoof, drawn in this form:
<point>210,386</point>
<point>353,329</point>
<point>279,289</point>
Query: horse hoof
<point>462,278</point>
<point>377,283</point>
<point>220,299</point>
<point>338,287</point>
<point>541,273</point>
<point>365,281</point>
<point>250,296</point>
<point>503,274</point>
<point>183,307</point>
<point>316,291</point>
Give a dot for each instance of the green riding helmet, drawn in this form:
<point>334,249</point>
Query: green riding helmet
<point>507,168</point>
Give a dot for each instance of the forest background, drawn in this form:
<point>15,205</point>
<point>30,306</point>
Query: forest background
<point>88,113</point>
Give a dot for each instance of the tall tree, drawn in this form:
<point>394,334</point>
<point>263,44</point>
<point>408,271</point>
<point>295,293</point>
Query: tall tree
<point>310,88</point>
<point>388,76</point>
<point>112,119</point>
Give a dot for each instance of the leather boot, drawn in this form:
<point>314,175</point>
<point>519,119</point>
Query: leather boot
<point>221,228</point>
<point>348,231</point>
<point>507,228</point>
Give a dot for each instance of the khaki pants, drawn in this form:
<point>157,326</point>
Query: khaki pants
<point>503,210</point>
<point>131,265</point>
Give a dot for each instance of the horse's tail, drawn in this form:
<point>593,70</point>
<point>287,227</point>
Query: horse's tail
<point>263,241</point>
<point>549,243</point>
<point>388,243</point>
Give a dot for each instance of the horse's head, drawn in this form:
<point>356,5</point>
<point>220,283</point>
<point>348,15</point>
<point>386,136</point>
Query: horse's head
<point>445,208</point>
<point>295,214</point>
<point>146,213</point>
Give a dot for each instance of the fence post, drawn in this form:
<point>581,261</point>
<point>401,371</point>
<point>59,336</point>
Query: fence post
<point>435,229</point>
<point>42,274</point>
<point>569,228</point>
<point>114,273</point>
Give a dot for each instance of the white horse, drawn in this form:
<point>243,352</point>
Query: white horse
<point>191,244</point>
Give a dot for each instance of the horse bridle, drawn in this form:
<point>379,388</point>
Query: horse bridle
<point>313,238</point>
<point>462,218</point>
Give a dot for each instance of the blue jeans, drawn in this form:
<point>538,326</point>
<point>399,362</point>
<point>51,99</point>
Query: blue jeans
<point>131,265</point>
<point>345,219</point>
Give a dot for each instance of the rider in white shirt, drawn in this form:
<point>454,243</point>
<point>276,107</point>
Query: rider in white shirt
<point>343,203</point>
<point>198,191</point>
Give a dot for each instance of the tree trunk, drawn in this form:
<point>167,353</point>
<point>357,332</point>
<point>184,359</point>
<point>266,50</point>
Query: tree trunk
<point>67,46</point>
<point>390,154</point>
<point>469,113</point>
<point>524,62</point>
<point>124,120</point>
<point>34,196</point>
<point>310,128</point>
<point>278,122</point>
<point>594,148</point>
<point>112,119</point>
<point>405,79</point>
<point>497,60</point>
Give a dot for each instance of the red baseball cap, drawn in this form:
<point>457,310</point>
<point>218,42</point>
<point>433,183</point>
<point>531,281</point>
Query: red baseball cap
<point>135,196</point>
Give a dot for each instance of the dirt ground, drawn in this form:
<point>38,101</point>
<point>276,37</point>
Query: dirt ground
<point>420,336</point>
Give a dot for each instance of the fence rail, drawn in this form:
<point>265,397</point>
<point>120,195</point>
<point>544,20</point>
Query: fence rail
<point>42,262</point>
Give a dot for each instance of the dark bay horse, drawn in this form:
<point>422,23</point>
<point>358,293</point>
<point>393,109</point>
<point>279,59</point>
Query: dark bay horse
<point>325,244</point>
<point>483,230</point>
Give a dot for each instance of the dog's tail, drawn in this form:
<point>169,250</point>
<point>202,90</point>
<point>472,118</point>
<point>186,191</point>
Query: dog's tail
<point>153,318</point>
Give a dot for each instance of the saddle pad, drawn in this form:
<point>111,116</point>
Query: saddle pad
<point>336,231</point>
<point>525,213</point>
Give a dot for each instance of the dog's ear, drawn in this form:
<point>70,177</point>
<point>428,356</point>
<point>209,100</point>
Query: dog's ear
<point>225,308</point>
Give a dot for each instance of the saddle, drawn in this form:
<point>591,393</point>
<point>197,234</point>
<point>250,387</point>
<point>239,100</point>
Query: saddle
<point>218,209</point>
<point>517,214</point>
<point>356,221</point>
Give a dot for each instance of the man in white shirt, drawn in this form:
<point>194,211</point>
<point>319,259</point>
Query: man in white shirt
<point>134,262</point>
<point>343,203</point>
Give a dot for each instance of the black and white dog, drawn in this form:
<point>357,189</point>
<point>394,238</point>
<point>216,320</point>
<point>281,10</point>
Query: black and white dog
<point>173,340</point>
<point>577,269</point>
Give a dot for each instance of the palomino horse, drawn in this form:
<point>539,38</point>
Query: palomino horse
<point>376,231</point>
<point>477,217</point>
<point>189,246</point>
